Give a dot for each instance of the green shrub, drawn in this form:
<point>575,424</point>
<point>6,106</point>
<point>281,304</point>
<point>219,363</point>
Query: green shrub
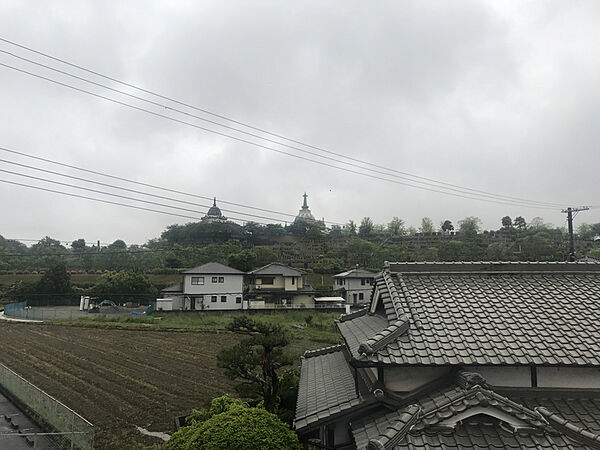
<point>237,427</point>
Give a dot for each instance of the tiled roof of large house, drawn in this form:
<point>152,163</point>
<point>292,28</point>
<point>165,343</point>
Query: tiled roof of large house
<point>277,269</point>
<point>214,268</point>
<point>441,419</point>
<point>325,371</point>
<point>474,314</point>
<point>442,317</point>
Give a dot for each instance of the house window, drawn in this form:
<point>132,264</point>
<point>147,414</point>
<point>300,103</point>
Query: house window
<point>362,281</point>
<point>197,280</point>
<point>293,280</point>
<point>238,299</point>
<point>213,299</point>
<point>223,298</point>
<point>361,296</point>
<point>215,279</point>
<point>221,279</point>
<point>267,280</point>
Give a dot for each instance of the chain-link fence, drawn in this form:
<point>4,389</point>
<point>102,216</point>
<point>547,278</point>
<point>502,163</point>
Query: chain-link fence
<point>23,311</point>
<point>72,430</point>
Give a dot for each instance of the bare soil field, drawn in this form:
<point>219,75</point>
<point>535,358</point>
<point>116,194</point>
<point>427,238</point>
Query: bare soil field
<point>119,379</point>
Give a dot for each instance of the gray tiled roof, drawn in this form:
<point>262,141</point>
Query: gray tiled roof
<point>426,418</point>
<point>214,267</point>
<point>355,273</point>
<point>493,315</point>
<point>277,269</point>
<point>327,387</point>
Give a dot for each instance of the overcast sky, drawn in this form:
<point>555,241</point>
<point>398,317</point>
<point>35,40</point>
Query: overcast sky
<point>501,97</point>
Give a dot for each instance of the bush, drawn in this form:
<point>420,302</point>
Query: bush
<point>238,427</point>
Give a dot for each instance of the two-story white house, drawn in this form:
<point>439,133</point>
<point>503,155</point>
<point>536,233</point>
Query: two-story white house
<point>278,285</point>
<point>211,286</point>
<point>354,285</point>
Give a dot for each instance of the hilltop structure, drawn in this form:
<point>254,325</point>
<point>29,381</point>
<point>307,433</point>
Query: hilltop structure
<point>304,215</point>
<point>214,214</point>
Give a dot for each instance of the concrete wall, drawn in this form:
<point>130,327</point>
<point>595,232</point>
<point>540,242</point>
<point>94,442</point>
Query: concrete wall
<point>303,299</point>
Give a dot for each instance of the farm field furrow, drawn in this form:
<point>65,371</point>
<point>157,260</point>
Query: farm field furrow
<point>118,379</point>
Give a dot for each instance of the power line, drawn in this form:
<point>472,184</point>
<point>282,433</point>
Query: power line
<point>433,183</point>
<point>4,149</point>
<point>123,188</point>
<point>246,124</point>
<point>256,144</point>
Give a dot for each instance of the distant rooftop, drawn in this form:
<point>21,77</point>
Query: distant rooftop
<point>355,273</point>
<point>214,268</point>
<point>277,269</point>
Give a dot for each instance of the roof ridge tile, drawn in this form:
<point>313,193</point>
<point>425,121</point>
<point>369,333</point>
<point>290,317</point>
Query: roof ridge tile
<point>353,315</point>
<point>396,431</point>
<point>385,336</point>
<point>571,430</point>
<point>323,351</point>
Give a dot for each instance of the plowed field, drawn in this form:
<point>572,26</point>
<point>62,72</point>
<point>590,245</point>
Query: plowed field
<point>119,379</point>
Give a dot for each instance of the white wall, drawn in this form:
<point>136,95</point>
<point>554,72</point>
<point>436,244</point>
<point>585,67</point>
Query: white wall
<point>503,376</point>
<point>354,286</point>
<point>231,288</point>
<point>568,377</point>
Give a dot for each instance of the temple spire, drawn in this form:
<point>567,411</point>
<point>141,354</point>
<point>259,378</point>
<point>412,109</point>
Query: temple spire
<point>305,206</point>
<point>215,202</point>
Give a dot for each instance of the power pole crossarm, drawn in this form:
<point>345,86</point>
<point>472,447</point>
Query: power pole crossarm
<point>569,211</point>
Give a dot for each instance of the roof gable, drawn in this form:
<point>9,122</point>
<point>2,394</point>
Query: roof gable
<point>213,267</point>
<point>355,273</point>
<point>277,269</point>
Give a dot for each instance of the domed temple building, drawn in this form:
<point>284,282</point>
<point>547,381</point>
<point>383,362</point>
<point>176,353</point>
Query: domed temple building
<point>214,214</point>
<point>304,215</point>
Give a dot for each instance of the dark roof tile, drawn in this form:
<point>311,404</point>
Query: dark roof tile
<point>501,314</point>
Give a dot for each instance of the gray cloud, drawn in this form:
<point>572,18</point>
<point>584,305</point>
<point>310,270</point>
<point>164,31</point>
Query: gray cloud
<point>498,97</point>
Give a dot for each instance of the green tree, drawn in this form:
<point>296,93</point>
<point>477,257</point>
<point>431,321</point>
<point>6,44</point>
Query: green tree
<point>469,227</point>
<point>507,223</point>
<point>335,232</point>
<point>256,360</point>
<point>426,225</point>
<point>350,228</point>
<point>237,427</point>
<point>520,223</point>
<point>79,244</point>
<point>118,245</point>
<point>244,260</point>
<point>288,394</point>
<point>396,227</point>
<point>366,227</point>
<point>538,224</point>
<point>124,286</point>
<point>55,285</point>
<point>584,231</point>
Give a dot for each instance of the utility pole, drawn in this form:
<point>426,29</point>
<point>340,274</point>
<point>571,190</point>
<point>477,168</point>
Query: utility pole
<point>569,211</point>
